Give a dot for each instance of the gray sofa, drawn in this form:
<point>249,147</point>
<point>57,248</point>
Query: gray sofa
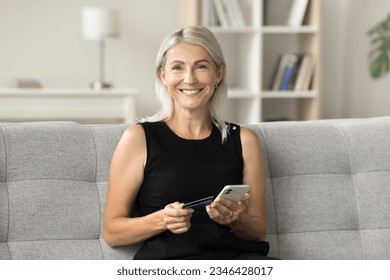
<point>328,189</point>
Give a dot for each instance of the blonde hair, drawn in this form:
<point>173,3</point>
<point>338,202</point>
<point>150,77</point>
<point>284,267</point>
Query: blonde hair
<point>196,35</point>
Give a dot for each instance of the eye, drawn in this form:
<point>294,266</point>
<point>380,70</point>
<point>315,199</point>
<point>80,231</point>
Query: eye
<point>177,67</point>
<point>201,66</point>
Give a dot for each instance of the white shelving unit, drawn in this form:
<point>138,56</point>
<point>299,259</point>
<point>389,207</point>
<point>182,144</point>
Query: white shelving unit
<point>251,53</point>
<point>115,105</point>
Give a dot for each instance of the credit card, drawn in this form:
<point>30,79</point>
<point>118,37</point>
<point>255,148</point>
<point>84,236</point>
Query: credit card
<point>200,203</point>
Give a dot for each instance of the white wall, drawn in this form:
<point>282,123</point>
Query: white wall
<point>347,87</point>
<point>365,96</point>
<point>332,49</point>
<point>42,39</point>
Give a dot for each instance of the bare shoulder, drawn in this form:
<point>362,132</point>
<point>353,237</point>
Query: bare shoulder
<point>132,143</point>
<point>134,133</point>
<point>248,137</point>
<point>133,137</point>
<point>250,145</point>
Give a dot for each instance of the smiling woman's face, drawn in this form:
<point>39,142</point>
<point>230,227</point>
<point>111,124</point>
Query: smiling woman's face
<point>190,76</point>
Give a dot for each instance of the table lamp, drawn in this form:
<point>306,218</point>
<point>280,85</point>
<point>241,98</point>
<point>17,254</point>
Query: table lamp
<point>98,25</point>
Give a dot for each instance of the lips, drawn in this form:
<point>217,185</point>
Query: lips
<point>191,91</point>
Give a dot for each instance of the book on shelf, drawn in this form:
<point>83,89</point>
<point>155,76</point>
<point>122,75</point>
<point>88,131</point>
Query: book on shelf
<point>221,13</point>
<point>292,71</point>
<point>289,72</point>
<point>211,13</point>
<point>309,73</point>
<point>235,9</point>
<point>274,72</point>
<point>297,12</point>
<point>277,75</point>
<point>226,13</point>
<point>305,72</point>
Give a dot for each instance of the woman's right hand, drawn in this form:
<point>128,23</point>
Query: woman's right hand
<point>176,218</point>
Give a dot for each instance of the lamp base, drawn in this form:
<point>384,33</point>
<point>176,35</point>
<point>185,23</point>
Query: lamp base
<point>100,85</point>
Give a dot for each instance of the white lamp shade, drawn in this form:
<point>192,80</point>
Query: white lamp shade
<point>99,23</point>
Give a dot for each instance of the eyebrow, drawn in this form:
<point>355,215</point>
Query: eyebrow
<point>196,62</point>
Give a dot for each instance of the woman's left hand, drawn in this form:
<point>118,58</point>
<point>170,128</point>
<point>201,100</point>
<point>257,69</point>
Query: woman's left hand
<point>226,212</point>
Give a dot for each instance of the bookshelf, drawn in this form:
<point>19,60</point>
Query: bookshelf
<point>251,52</point>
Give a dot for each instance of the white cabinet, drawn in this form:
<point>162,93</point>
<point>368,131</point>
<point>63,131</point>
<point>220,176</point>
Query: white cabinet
<point>251,52</point>
<point>77,104</point>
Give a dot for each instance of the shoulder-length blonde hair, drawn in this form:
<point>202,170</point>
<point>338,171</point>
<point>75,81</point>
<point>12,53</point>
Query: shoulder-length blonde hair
<point>197,35</point>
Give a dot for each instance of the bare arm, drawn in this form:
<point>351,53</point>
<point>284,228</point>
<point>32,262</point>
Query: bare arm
<point>125,180</point>
<point>247,219</point>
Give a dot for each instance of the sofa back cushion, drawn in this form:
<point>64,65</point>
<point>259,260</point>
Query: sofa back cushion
<point>328,190</point>
<point>53,182</point>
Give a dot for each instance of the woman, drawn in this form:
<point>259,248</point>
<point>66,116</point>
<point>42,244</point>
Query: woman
<point>184,153</point>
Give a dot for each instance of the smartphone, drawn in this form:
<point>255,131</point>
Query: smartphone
<point>234,192</point>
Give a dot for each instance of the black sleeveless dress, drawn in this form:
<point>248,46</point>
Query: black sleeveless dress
<point>184,170</point>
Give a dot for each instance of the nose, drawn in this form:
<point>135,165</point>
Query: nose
<point>190,77</point>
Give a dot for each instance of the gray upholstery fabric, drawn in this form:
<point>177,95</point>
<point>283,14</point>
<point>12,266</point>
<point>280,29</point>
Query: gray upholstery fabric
<point>62,249</point>
<point>328,189</point>
<point>53,184</point>
<point>329,185</point>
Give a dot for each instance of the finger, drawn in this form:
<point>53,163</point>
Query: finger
<point>176,218</point>
<point>181,229</point>
<point>221,217</point>
<point>176,221</point>
<point>176,210</point>
<point>225,202</point>
<point>224,209</point>
<point>211,212</point>
<point>245,199</point>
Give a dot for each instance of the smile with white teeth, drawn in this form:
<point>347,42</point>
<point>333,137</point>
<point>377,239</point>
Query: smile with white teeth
<point>190,91</point>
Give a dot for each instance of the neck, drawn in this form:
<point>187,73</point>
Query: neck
<point>190,126</point>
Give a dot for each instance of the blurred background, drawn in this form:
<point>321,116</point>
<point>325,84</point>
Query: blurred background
<point>42,39</point>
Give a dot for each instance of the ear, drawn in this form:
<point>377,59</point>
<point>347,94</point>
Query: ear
<point>221,73</point>
<point>161,74</point>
